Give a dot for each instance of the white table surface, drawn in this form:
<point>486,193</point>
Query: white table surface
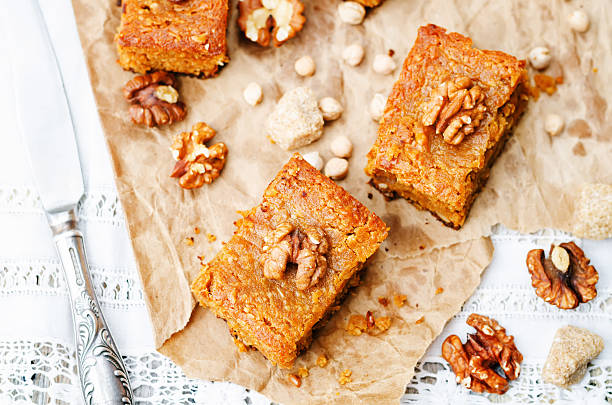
<point>36,342</point>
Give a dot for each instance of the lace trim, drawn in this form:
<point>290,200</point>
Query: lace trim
<point>500,233</point>
<point>434,383</point>
<point>96,205</point>
<point>521,300</point>
<point>45,372</point>
<point>117,289</point>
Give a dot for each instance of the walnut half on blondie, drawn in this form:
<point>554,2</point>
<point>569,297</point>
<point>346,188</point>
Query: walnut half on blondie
<point>185,37</point>
<point>446,121</point>
<point>290,262</point>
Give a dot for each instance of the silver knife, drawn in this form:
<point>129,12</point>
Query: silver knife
<point>44,116</point>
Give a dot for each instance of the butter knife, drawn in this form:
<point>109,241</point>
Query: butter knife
<point>43,113</point>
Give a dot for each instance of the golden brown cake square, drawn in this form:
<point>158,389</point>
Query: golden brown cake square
<point>185,37</point>
<point>445,122</point>
<point>290,262</point>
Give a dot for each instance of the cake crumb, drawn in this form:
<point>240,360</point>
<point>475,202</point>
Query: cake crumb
<point>399,300</point>
<point>303,372</point>
<point>420,320</point>
<point>196,230</point>
<point>211,237</point>
<point>440,290</point>
<point>242,348</point>
<point>345,377</point>
<point>545,83</point>
<point>383,301</point>
<point>382,323</point>
<point>322,361</point>
<point>358,324</point>
<point>189,241</point>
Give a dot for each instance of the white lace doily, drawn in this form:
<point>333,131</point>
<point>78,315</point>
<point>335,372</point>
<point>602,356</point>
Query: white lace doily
<point>36,348</point>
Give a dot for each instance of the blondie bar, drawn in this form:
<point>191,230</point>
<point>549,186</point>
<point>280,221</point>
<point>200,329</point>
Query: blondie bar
<point>186,37</point>
<point>290,262</point>
<point>446,121</point>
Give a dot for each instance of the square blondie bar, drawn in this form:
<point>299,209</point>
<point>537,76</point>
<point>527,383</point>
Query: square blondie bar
<point>445,122</point>
<point>185,37</point>
<point>290,262</point>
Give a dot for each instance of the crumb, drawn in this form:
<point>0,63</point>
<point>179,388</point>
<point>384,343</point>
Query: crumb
<point>440,290</point>
<point>383,301</point>
<point>382,324</point>
<point>211,237</point>
<point>242,348</point>
<point>345,377</point>
<point>421,247</point>
<point>559,79</point>
<point>545,83</point>
<point>358,324</point>
<point>595,70</point>
<point>189,241</point>
<point>420,320</point>
<point>322,361</point>
<point>370,196</point>
<point>532,91</point>
<point>303,372</point>
<point>196,230</point>
<point>399,300</point>
<point>391,52</point>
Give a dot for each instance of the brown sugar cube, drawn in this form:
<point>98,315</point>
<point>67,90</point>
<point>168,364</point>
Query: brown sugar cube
<point>186,37</point>
<point>306,228</point>
<point>446,120</point>
<point>593,215</point>
<point>571,351</point>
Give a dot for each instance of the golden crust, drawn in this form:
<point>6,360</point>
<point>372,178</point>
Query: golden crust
<point>370,3</point>
<point>187,37</point>
<point>446,178</point>
<point>274,315</point>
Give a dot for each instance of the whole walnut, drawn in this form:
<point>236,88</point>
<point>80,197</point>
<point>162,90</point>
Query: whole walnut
<point>307,247</point>
<point>474,362</point>
<point>564,279</point>
<point>154,99</point>
<point>454,109</point>
<point>196,164</point>
<point>265,21</point>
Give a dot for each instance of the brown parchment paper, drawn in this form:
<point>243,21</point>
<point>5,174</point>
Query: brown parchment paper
<point>533,184</point>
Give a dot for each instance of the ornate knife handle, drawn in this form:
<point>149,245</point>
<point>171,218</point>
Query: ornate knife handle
<point>104,379</point>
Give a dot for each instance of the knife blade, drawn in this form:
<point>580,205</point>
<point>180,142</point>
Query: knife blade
<point>44,116</point>
<point>40,93</point>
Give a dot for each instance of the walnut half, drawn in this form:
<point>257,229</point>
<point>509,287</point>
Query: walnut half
<point>305,247</point>
<point>566,278</point>
<point>154,99</point>
<point>196,163</point>
<point>475,361</point>
<point>265,20</point>
<point>455,109</point>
